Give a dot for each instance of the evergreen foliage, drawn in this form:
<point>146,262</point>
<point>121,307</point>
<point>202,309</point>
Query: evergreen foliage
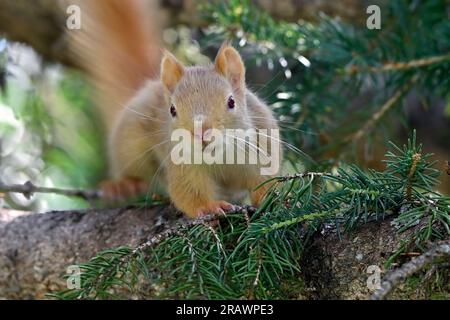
<point>252,253</point>
<point>321,67</point>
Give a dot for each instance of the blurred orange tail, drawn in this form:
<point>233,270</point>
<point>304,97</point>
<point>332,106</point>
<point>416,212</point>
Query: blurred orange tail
<point>119,46</point>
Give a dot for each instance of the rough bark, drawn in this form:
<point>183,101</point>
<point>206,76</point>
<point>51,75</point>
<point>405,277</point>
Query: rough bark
<point>440,251</point>
<point>36,250</point>
<point>343,266</point>
<point>41,23</point>
<point>336,265</point>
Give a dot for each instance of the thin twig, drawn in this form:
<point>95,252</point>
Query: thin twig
<point>395,277</point>
<point>178,228</point>
<point>28,189</point>
<point>380,114</point>
<point>395,66</point>
<point>303,175</point>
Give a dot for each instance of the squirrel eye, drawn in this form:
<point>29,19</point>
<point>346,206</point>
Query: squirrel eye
<point>173,110</point>
<point>231,103</point>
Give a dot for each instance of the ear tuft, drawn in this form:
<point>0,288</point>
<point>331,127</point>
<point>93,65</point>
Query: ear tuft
<point>171,71</point>
<point>229,64</point>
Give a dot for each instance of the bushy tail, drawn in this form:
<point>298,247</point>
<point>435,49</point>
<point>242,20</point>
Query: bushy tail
<point>119,46</point>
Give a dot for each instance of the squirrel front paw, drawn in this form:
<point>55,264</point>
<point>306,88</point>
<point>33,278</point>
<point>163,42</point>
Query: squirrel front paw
<point>123,189</point>
<point>214,207</point>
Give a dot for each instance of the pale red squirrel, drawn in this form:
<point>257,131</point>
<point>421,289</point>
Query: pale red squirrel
<point>142,108</point>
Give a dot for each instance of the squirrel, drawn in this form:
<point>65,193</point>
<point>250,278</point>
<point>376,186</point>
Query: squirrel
<point>142,108</point>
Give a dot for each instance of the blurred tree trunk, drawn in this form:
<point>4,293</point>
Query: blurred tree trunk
<point>42,23</point>
<point>37,249</point>
<point>38,23</point>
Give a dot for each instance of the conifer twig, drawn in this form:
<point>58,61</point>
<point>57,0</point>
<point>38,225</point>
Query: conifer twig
<point>28,189</point>
<point>395,277</point>
<point>368,126</point>
<point>400,66</point>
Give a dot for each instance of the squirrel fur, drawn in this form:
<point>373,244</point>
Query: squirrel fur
<point>138,95</point>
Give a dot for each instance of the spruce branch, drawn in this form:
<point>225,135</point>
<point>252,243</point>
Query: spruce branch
<point>439,251</point>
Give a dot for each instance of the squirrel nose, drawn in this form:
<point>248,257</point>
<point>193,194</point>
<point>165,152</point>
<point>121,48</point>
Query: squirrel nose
<point>205,134</point>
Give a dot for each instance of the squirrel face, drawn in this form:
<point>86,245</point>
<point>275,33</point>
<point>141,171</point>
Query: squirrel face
<point>213,95</point>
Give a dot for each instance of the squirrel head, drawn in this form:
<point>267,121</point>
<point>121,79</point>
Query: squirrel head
<point>213,94</point>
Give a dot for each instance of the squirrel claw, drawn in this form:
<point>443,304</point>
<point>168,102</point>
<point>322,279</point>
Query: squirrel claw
<point>215,207</point>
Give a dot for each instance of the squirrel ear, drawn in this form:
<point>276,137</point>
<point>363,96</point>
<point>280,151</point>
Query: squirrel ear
<point>229,64</point>
<point>171,71</point>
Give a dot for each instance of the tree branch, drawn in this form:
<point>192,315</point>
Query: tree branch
<point>394,278</point>
<point>37,248</point>
<point>28,189</point>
